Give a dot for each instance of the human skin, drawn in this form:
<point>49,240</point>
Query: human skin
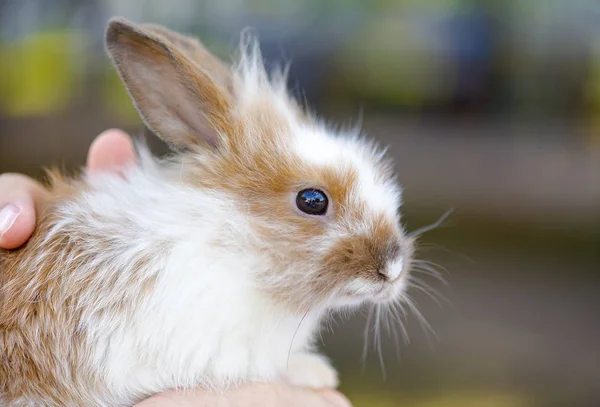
<point>111,151</point>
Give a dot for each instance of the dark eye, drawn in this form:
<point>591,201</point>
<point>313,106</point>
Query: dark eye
<point>312,201</point>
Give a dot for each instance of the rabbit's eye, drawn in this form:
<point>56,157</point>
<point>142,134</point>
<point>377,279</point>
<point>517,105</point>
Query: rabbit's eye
<point>312,201</point>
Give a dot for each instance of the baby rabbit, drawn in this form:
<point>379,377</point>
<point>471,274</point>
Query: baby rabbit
<point>212,267</point>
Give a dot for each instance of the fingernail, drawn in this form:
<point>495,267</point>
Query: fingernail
<point>336,399</point>
<point>8,216</point>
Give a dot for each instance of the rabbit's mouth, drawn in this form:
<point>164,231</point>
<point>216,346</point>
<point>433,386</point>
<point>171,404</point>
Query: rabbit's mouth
<point>389,293</point>
<point>360,291</point>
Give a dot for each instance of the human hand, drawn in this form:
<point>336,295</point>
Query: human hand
<point>112,150</point>
<point>21,195</point>
<point>251,395</point>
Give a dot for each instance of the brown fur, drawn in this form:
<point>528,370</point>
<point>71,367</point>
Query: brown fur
<point>243,153</point>
<point>38,329</point>
<point>252,160</point>
<point>135,49</point>
<point>364,255</point>
<point>197,53</point>
<point>263,174</point>
<point>42,351</point>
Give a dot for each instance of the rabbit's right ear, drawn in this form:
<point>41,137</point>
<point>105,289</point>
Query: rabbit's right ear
<point>179,100</point>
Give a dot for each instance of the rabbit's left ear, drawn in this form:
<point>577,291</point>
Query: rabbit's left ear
<point>169,79</point>
<point>193,49</point>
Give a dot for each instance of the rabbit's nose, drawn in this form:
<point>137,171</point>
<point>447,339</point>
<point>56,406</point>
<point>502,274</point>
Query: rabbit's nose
<point>393,269</point>
<point>394,264</point>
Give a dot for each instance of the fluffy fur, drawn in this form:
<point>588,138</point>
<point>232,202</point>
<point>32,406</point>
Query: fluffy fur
<point>198,269</point>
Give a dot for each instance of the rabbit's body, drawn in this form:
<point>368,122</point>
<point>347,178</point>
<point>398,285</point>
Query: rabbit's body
<point>211,268</point>
<point>154,301</point>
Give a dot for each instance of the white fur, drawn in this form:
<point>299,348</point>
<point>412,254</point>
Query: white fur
<point>319,147</point>
<point>316,144</point>
<point>205,321</point>
<point>394,269</point>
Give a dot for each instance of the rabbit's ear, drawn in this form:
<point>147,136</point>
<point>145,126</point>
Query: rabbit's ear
<point>194,50</point>
<point>177,98</point>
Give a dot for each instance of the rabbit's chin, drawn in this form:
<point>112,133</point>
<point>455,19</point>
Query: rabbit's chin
<point>358,293</point>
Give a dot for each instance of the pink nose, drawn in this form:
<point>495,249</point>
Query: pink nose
<point>393,269</point>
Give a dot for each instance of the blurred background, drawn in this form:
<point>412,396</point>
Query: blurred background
<point>489,107</point>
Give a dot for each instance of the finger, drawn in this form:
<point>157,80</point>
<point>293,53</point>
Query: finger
<point>300,397</point>
<point>284,395</point>
<point>335,398</point>
<point>252,395</point>
<point>112,150</point>
<point>19,198</point>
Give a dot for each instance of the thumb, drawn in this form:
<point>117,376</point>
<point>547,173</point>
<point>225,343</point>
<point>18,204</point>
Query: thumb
<point>112,150</point>
<point>20,197</point>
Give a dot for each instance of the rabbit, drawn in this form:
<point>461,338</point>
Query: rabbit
<point>213,266</point>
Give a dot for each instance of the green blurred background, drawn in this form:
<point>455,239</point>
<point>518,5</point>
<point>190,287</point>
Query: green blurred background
<point>489,107</point>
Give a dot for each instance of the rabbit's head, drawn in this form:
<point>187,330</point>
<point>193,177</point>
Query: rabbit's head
<point>319,208</point>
